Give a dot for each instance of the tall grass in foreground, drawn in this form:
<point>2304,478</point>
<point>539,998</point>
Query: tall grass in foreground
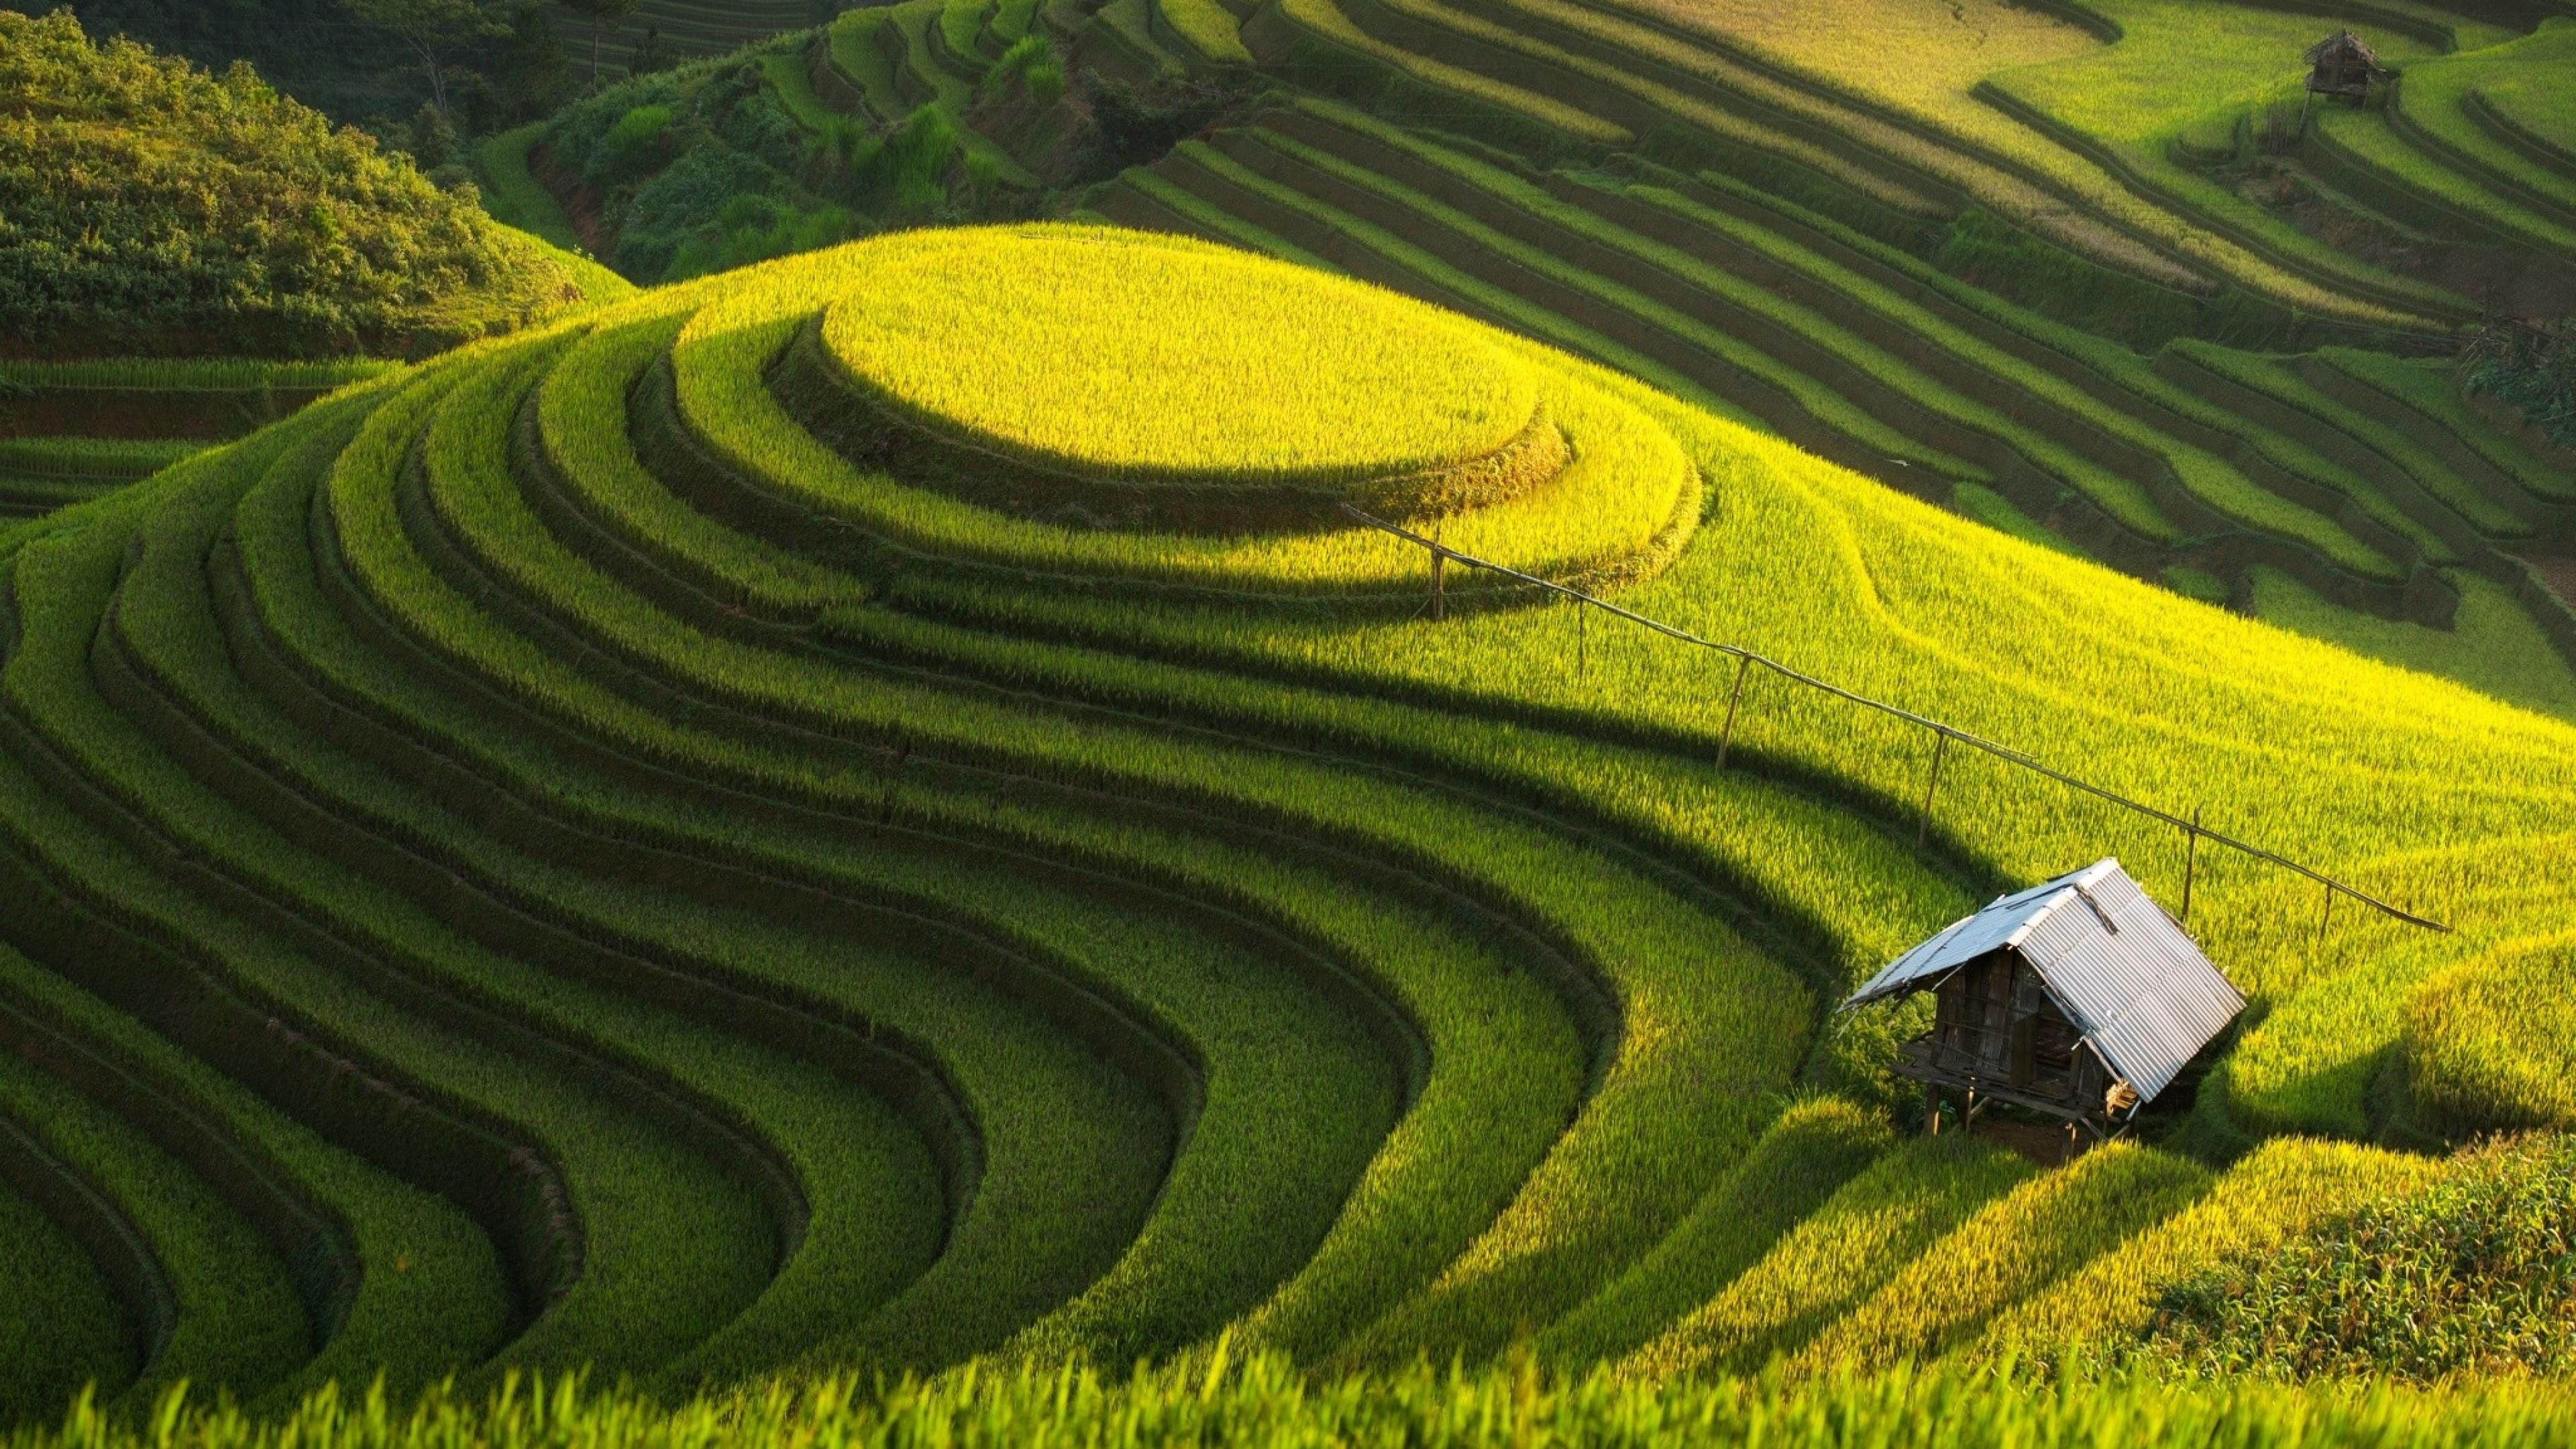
<point>1265,1402</point>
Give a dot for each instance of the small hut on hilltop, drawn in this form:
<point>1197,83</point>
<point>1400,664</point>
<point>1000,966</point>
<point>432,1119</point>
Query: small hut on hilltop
<point>2343,64</point>
<point>2079,998</point>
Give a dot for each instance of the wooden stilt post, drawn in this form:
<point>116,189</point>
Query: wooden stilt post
<point>1726,737</point>
<point>2325,918</point>
<point>1439,593</point>
<point>1932,1109</point>
<point>2190,858</point>
<point>1582,640</point>
<point>1923,826</point>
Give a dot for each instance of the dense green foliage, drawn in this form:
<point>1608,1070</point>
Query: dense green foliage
<point>153,207</point>
<point>2473,1276</point>
<point>2532,368</point>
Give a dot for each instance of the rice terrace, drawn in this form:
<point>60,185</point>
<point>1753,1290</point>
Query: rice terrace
<point>1413,722</point>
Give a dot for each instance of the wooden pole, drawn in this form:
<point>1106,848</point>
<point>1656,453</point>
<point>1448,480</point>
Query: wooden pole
<point>2190,858</point>
<point>1726,737</point>
<point>1439,594</point>
<point>2326,917</point>
<point>1932,1109</point>
<point>1582,640</point>
<point>1923,826</point>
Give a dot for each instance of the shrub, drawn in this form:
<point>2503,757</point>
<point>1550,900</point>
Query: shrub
<point>147,198</point>
<point>2531,366</point>
<point>631,148</point>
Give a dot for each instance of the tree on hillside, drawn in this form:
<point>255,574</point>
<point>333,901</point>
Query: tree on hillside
<point>604,15</point>
<point>433,30</point>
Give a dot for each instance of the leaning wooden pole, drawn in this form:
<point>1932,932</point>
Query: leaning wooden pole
<point>1923,823</point>
<point>2190,858</point>
<point>1735,696</point>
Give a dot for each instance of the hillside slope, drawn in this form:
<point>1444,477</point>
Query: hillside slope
<point>668,843</point>
<point>186,257</point>
<point>153,205</point>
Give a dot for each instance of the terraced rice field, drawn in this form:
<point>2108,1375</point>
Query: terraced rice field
<point>2358,476</point>
<point>612,847</point>
<point>689,29</point>
<point>70,432</point>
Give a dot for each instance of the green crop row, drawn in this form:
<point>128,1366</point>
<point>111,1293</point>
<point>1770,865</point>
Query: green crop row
<point>1834,1259</point>
<point>1771,844</point>
<point>858,1199</point>
<point>2208,478</point>
<point>2432,106</point>
<point>1207,28</point>
<point>2440,192</point>
<point>1270,1057</point>
<point>2485,1047</point>
<point>442,1307</point>
<point>1326,20</point>
<point>792,82</point>
<point>237,1326</point>
<point>1469,1066</point>
<point>111,458</point>
<point>2211,480</point>
<point>2269,378</point>
<point>2047,346</point>
<point>591,383</point>
<point>1727,123</point>
<point>1216,223</point>
<point>213,374</point>
<point>2535,107</point>
<point>1611,1147</point>
<point>2013,1247</point>
<point>959,22</point>
<point>558,574</point>
<point>449,1304</point>
<point>1625,499</point>
<point>641,1195</point>
<point>2272,1194</point>
<point>1808,1154</point>
<point>2465,1279</point>
<point>1826,406</point>
<point>1044,1112</point>
<point>2430,391</point>
<point>1016,1077</point>
<point>919,718</point>
<point>513,194</point>
<point>2172,735</point>
<point>855,54</point>
<point>1011,21</point>
<point>1953,133</point>
<point>1493,301</point>
<point>69,1331</point>
<point>923,344</point>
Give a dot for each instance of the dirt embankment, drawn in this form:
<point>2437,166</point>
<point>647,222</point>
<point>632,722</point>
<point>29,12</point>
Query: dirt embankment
<point>583,205</point>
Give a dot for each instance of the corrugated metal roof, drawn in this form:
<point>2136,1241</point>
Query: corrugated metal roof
<point>2120,968</point>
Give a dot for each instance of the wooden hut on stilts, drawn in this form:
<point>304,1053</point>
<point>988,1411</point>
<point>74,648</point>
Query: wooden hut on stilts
<point>2079,998</point>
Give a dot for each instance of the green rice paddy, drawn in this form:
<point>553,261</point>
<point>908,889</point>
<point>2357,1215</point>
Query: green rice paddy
<point>858,847</point>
